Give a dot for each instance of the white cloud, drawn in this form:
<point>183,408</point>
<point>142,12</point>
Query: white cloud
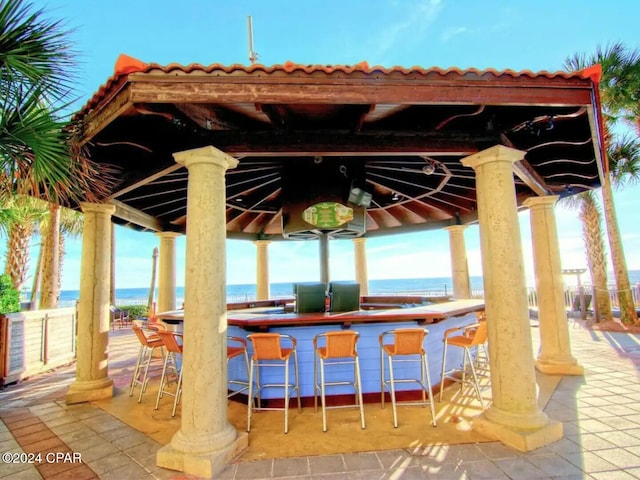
<point>451,32</point>
<point>419,16</point>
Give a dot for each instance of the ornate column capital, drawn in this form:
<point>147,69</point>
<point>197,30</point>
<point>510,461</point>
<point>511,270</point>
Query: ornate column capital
<point>168,234</point>
<point>497,153</point>
<point>97,208</point>
<point>209,154</point>
<point>456,228</point>
<point>544,201</point>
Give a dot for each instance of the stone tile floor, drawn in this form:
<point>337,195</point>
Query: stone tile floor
<point>600,413</point>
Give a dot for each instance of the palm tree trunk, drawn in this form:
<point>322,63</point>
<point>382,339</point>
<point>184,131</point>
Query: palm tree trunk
<point>35,286</point>
<point>61,246</point>
<point>17,256</point>
<point>49,292</point>
<point>628,313</point>
<point>596,260</point>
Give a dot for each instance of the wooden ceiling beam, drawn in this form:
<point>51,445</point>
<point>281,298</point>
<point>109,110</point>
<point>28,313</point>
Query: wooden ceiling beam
<point>530,177</point>
<point>104,114</point>
<point>137,217</point>
<point>292,144</point>
<point>145,181</point>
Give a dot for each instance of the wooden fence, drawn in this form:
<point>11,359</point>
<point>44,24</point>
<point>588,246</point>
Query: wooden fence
<point>32,342</point>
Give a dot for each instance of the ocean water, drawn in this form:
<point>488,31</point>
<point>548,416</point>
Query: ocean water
<point>237,293</point>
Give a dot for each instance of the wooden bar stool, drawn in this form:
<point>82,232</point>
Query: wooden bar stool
<point>471,338</point>
<point>338,348</point>
<point>236,347</point>
<point>272,350</point>
<point>149,341</point>
<point>172,367</point>
<point>407,347</point>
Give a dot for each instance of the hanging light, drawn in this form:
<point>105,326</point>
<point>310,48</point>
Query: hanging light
<point>430,167</point>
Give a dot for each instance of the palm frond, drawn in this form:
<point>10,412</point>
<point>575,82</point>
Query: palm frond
<point>37,156</point>
<point>620,84</point>
<point>624,160</point>
<point>34,49</point>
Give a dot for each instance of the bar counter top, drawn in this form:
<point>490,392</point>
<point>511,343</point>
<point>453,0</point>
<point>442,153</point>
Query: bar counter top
<point>262,318</point>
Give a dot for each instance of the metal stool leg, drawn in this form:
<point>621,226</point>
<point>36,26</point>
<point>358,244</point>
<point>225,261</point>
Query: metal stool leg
<point>425,362</point>
<point>250,399</point>
<point>297,386</point>
<point>322,396</point>
<point>359,389</point>
<point>393,392</point>
<point>444,369</point>
<point>136,370</point>
<point>286,396</point>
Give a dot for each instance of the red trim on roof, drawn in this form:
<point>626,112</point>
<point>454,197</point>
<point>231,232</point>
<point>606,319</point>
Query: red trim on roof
<point>126,64</point>
<point>594,73</point>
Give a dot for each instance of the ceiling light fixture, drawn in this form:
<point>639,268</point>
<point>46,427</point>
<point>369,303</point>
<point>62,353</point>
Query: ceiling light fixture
<point>430,167</point>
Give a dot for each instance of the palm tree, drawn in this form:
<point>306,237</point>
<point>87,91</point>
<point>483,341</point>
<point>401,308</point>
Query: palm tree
<point>591,218</point>
<point>624,169</point>
<point>620,90</point>
<point>60,223</point>
<point>28,212</point>
<point>49,259</point>
<point>36,65</point>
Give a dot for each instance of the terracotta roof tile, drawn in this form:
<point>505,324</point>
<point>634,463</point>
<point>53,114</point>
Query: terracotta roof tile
<point>126,65</point>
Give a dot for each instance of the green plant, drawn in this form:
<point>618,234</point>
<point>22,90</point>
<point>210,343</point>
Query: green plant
<point>9,296</point>
<point>135,310</point>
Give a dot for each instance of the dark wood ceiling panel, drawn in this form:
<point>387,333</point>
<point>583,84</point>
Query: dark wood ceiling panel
<point>305,134</point>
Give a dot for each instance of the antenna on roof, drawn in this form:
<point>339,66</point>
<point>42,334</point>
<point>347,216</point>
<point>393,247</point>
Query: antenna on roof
<point>253,55</point>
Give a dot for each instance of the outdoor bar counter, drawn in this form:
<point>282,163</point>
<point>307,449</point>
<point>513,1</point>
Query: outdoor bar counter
<point>436,318</point>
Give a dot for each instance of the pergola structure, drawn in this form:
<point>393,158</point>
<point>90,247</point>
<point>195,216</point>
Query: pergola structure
<point>245,152</point>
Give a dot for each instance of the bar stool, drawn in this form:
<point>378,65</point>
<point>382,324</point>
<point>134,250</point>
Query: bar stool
<point>149,341</point>
<point>173,344</point>
<point>408,344</point>
<point>339,348</point>
<point>237,346</point>
<point>272,350</point>
<point>472,337</point>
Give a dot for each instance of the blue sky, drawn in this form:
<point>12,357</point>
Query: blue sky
<point>509,34</point>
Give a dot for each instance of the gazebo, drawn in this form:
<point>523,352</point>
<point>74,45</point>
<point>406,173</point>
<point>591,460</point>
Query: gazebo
<point>245,152</point>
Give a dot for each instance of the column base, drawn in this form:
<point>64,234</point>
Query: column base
<point>521,440</point>
<point>87,391</point>
<point>560,368</point>
<point>205,465</point>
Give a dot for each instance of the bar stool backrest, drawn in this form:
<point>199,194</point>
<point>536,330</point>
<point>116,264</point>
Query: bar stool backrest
<point>147,336</point>
<point>408,341</point>
<point>480,334</point>
<point>172,340</point>
<point>235,346</point>
<point>340,344</point>
<point>266,346</point>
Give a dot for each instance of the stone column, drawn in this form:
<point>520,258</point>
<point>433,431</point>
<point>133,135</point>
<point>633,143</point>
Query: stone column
<point>514,417</point>
<point>459,265</point>
<point>206,441</point>
<point>324,258</point>
<point>92,381</point>
<point>167,271</point>
<point>555,348</point>
<point>262,270</point>
<point>360,254</point>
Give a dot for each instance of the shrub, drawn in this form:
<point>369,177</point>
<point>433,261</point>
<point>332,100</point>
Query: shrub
<point>135,310</point>
<point>9,296</point>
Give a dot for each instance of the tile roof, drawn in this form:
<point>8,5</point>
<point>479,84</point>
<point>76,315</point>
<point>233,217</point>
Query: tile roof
<point>126,65</point>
